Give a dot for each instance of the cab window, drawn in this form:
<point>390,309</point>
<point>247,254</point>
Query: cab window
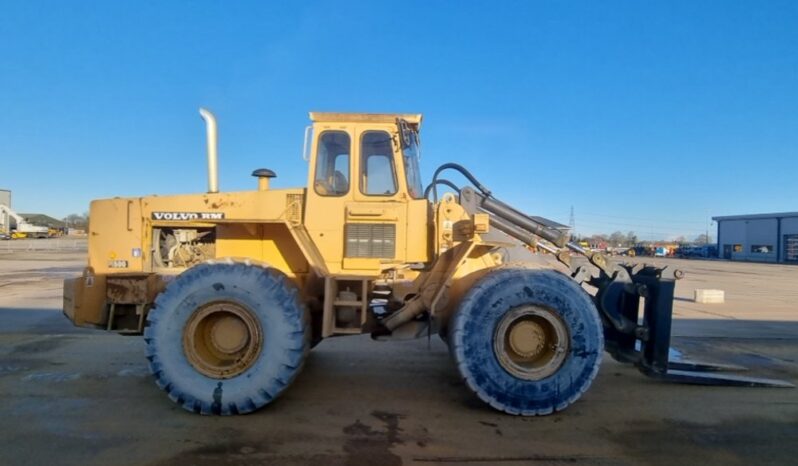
<point>332,164</point>
<point>410,157</point>
<point>377,174</point>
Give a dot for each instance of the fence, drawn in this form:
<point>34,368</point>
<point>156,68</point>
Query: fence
<point>48,244</point>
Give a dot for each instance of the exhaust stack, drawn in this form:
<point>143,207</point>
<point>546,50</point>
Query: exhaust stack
<point>213,157</point>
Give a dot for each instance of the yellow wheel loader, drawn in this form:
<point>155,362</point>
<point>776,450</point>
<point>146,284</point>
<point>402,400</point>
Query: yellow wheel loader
<point>232,289</point>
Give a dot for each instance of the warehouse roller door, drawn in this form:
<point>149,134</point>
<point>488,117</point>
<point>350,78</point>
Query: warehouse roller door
<point>791,248</point>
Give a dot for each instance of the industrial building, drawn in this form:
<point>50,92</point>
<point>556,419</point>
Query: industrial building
<point>5,219</point>
<point>759,237</point>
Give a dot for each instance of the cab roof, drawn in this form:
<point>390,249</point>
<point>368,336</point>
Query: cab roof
<point>335,117</point>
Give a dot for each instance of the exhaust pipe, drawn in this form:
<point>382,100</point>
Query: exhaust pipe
<point>213,157</point>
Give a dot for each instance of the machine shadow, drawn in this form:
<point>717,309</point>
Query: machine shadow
<point>38,321</point>
<point>748,329</point>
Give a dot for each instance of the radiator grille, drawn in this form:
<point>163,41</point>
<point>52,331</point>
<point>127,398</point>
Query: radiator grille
<point>371,240</point>
<point>293,208</point>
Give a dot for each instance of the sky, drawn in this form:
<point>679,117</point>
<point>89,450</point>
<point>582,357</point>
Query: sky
<point>641,116</point>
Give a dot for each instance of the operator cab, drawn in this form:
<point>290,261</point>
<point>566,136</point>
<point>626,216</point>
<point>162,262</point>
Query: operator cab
<point>364,175</point>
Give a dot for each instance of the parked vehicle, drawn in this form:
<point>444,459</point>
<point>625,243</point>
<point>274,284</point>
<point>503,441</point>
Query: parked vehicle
<point>707,250</point>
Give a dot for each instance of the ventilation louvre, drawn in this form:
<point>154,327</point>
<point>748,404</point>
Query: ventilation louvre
<point>293,208</point>
<point>373,240</point>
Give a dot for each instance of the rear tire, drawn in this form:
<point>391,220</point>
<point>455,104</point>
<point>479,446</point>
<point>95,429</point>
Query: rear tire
<point>227,337</point>
<point>527,342</point>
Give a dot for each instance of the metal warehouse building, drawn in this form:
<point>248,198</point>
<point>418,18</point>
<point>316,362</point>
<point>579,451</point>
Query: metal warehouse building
<point>761,237</point>
<point>5,199</point>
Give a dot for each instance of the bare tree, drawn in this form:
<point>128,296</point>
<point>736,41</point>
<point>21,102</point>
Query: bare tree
<point>617,239</point>
<point>703,239</point>
<point>77,220</point>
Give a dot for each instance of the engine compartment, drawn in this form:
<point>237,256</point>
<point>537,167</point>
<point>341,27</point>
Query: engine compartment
<point>180,248</point>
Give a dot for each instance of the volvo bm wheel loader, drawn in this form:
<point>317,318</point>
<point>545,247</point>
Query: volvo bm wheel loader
<point>232,289</point>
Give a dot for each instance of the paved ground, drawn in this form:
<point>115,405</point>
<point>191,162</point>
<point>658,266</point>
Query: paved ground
<point>74,396</point>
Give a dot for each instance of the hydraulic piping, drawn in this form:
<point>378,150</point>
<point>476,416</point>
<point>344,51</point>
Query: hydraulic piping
<point>454,166</point>
<point>443,182</point>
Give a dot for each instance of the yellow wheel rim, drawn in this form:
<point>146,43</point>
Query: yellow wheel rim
<point>222,339</point>
<point>531,342</point>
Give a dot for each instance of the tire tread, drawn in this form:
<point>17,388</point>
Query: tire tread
<point>296,352</point>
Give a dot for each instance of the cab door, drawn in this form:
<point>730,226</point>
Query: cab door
<point>330,190</point>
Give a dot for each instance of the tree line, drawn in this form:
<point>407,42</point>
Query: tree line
<point>80,221</point>
<point>629,239</point>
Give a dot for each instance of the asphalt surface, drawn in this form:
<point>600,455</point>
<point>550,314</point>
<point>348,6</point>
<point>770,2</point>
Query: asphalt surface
<point>74,396</point>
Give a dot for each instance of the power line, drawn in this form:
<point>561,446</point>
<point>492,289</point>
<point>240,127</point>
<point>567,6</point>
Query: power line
<point>644,219</point>
<point>642,226</point>
<point>572,221</point>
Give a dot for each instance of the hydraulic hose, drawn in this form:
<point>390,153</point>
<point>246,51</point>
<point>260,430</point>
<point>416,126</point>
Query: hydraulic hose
<point>464,172</point>
<point>443,182</point>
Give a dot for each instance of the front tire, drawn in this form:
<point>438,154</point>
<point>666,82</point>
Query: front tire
<point>527,342</point>
<point>227,337</point>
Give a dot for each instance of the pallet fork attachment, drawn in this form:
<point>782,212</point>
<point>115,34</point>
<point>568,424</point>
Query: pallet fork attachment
<point>643,338</point>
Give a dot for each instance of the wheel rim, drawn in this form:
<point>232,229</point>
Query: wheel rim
<point>222,339</point>
<point>531,342</point>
